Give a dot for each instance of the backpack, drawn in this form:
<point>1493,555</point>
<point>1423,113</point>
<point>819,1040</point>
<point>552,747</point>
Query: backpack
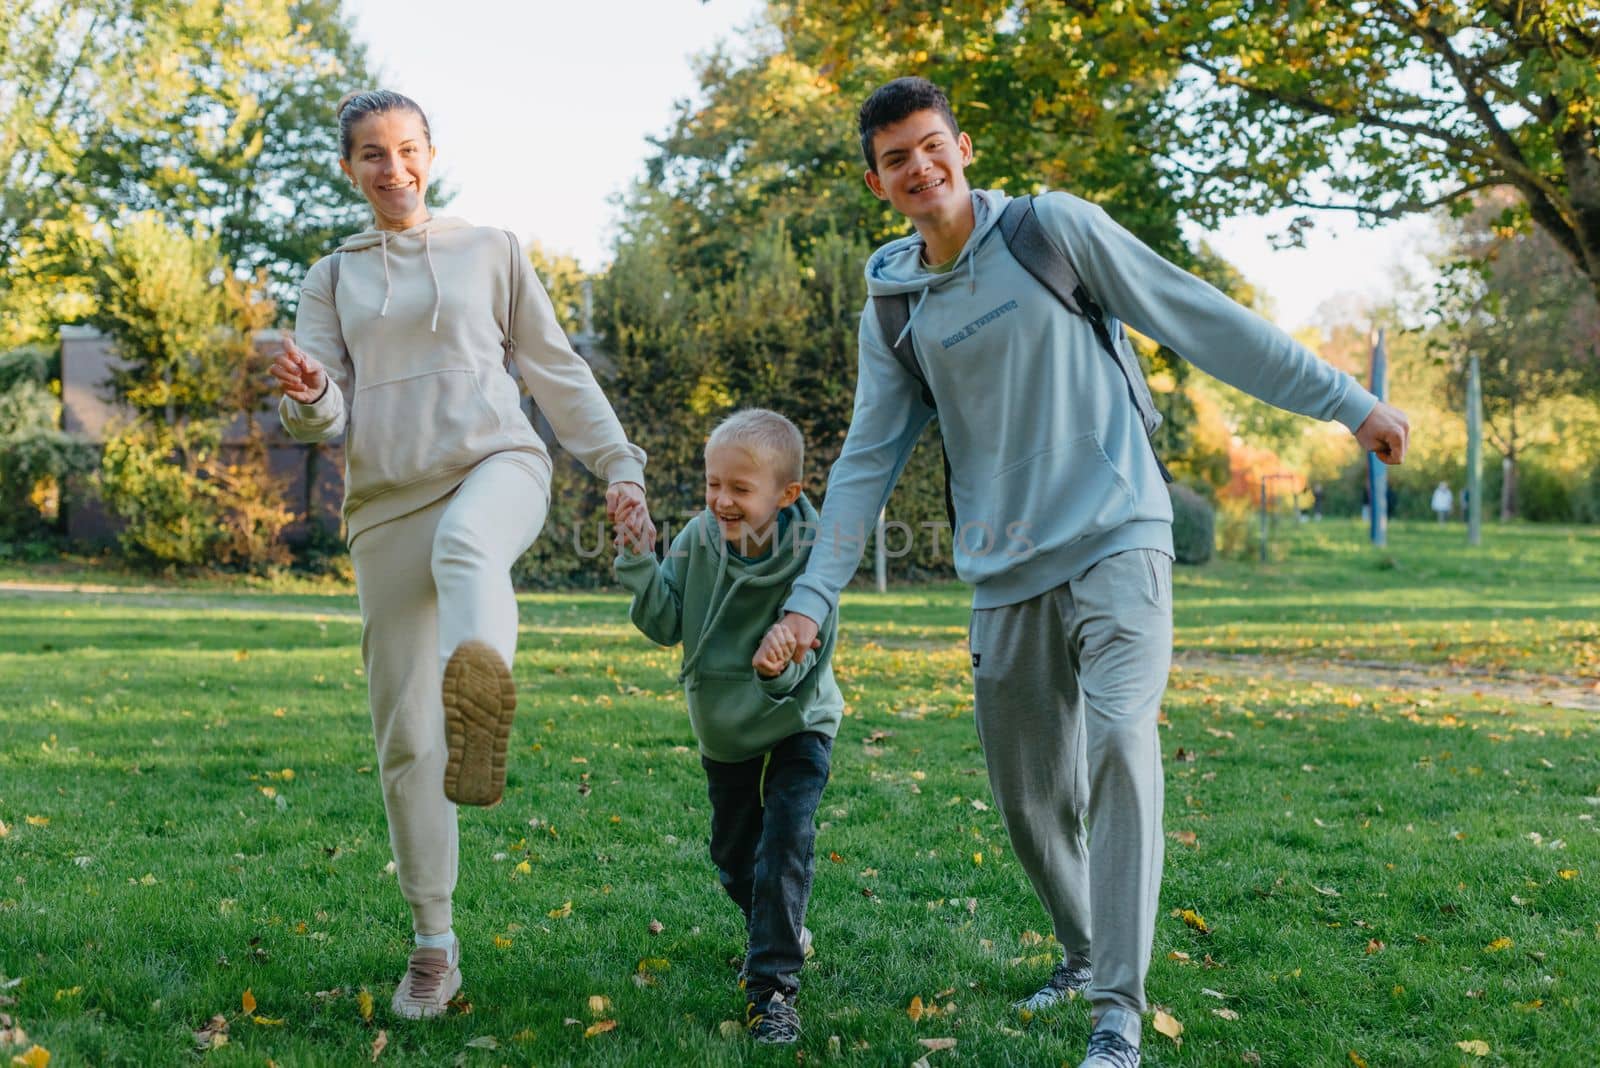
<point>1031,247</point>
<point>508,341</point>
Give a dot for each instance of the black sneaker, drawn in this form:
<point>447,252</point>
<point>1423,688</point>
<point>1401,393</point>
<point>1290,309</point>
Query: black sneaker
<point>1066,983</point>
<point>772,1020</point>
<point>1109,1044</point>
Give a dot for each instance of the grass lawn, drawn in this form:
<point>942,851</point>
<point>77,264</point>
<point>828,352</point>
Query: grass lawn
<point>190,822</point>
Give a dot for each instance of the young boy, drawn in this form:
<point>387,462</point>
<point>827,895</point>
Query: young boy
<point>1065,528</point>
<point>764,713</point>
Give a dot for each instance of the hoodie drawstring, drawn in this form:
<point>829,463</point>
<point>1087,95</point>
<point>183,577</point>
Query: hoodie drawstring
<point>912,317</point>
<point>427,253</point>
<point>383,237</point>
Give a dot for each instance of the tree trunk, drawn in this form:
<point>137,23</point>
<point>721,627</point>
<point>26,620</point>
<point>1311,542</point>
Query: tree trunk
<point>1508,487</point>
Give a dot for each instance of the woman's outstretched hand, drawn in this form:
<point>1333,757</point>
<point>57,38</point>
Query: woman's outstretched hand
<point>299,376</point>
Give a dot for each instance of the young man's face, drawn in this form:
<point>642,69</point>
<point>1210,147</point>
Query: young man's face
<point>745,495</point>
<point>921,167</point>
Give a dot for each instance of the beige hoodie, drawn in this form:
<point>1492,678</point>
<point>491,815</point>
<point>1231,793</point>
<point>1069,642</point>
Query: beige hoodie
<point>411,344</point>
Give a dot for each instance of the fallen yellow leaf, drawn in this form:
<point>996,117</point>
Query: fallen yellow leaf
<point>1168,1026</point>
<point>247,1001</point>
<point>1498,944</point>
<point>561,913</point>
<point>364,1004</point>
<point>37,1057</point>
<point>599,1027</point>
<point>934,1045</point>
<point>1568,873</point>
<point>914,1010</point>
<point>502,942</point>
<point>1475,1046</point>
<point>599,1004</point>
<point>37,821</point>
<point>267,1021</point>
<point>1192,919</point>
<point>523,868</point>
<point>1374,945</point>
<point>1357,1060</point>
<point>4,830</point>
<point>379,1044</point>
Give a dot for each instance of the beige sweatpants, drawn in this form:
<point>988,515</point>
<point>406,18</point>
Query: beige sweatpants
<point>428,581</point>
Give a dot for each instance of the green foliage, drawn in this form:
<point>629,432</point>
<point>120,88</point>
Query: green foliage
<point>183,328</point>
<point>1194,533</point>
<point>37,460</point>
<point>211,115</point>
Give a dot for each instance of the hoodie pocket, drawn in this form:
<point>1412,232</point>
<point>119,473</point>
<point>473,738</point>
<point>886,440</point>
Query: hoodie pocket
<point>730,711</point>
<point>1044,502</point>
<point>412,428</point>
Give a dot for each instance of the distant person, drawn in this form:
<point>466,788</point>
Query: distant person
<point>1466,500</point>
<point>764,720</point>
<point>1317,493</point>
<point>1442,501</point>
<point>401,344</point>
<point>1391,500</point>
<point>1063,523</point>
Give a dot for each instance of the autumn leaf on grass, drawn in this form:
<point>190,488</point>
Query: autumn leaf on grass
<point>4,830</point>
<point>1168,1026</point>
<point>1374,946</point>
<point>1357,1059</point>
<point>1499,944</point>
<point>37,821</point>
<point>599,1027</point>
<point>379,1044</point>
<point>599,1004</point>
<point>731,1029</point>
<point>364,1003</point>
<point>1226,1014</point>
<point>1188,838</point>
<point>484,1042</point>
<point>213,1034</point>
<point>934,1045</point>
<point>1192,919</point>
<point>36,1057</point>
<point>1475,1046</point>
<point>561,913</point>
<point>247,1001</point>
<point>1568,873</point>
<point>915,1010</point>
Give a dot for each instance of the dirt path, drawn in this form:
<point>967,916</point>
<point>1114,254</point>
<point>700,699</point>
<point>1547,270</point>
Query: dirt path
<point>1557,691</point>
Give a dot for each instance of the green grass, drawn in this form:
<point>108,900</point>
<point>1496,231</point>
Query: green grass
<point>183,864</point>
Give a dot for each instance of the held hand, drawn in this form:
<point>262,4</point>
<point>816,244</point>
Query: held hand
<point>300,377</point>
<point>635,534</point>
<point>1385,432</point>
<point>804,630</point>
<point>777,647</point>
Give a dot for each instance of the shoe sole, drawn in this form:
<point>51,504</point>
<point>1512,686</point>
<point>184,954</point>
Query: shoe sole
<point>479,702</point>
<point>423,1010</point>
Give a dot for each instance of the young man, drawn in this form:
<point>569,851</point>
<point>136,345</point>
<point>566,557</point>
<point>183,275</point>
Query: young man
<point>1064,523</point>
<point>765,722</point>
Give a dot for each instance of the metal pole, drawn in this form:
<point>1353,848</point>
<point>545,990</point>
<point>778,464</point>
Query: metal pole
<point>880,557</point>
<point>1377,474</point>
<point>1474,453</point>
<point>1264,518</point>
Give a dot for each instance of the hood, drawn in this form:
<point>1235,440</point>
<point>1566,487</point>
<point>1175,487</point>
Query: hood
<point>897,267</point>
<point>438,224</point>
<point>404,242</point>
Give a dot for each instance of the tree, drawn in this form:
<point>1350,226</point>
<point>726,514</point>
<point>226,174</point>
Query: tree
<point>1512,298</point>
<point>1384,108</point>
<point>184,329</point>
<point>213,114</point>
<point>36,458</point>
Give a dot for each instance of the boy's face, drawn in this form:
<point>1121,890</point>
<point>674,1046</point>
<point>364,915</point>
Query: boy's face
<point>921,167</point>
<point>745,495</point>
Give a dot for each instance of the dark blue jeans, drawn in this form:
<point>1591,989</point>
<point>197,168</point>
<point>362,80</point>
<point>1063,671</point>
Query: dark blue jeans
<point>763,835</point>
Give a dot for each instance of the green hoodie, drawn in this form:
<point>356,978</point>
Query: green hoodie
<point>720,606</point>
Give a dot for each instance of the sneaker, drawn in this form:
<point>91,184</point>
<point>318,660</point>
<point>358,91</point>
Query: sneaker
<point>479,699</point>
<point>432,978</point>
<point>773,1021</point>
<point>807,951</point>
<point>1065,983</point>
<point>1114,1042</point>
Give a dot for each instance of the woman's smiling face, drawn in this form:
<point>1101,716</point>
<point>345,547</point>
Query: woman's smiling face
<point>390,156</point>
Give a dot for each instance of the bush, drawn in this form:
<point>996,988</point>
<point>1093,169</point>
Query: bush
<point>1194,525</point>
<point>1542,495</point>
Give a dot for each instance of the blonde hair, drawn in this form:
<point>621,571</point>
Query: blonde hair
<point>773,438</point>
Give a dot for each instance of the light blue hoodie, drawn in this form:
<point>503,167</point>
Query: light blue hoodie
<point>1050,467</point>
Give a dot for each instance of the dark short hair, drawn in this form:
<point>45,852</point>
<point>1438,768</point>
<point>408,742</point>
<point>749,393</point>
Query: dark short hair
<point>891,102</point>
<point>353,107</point>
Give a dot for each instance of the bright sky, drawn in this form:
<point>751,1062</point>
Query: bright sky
<point>541,110</point>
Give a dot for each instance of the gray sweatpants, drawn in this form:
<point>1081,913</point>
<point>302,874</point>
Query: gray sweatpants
<point>1068,688</point>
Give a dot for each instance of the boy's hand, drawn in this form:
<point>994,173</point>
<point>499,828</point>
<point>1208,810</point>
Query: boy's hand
<point>777,648</point>
<point>804,630</point>
<point>299,376</point>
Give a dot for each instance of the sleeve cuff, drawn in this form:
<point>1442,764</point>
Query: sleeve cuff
<point>781,684</point>
<point>1355,407</point>
<point>625,470</point>
<point>810,604</point>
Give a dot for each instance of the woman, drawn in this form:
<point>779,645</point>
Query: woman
<point>446,483</point>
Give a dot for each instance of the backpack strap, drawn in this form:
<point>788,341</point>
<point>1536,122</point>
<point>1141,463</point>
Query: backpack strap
<point>333,269</point>
<point>894,312</point>
<point>508,337</point>
<point>1030,246</point>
